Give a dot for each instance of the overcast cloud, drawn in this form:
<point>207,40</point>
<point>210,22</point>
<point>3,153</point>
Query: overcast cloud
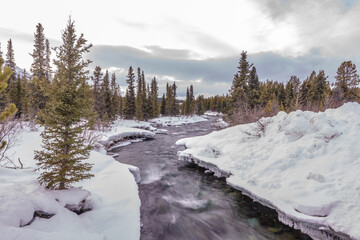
<point>198,42</point>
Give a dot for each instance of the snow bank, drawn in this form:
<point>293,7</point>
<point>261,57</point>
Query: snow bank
<point>120,133</point>
<point>113,199</point>
<point>177,121</point>
<point>306,165</point>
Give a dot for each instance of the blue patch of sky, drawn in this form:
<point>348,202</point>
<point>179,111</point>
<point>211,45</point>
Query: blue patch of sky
<point>348,3</point>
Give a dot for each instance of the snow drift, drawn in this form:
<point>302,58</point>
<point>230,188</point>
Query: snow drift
<point>112,196</point>
<point>305,165</point>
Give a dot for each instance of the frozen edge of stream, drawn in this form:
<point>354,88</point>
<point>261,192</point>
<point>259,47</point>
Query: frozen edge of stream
<point>314,230</point>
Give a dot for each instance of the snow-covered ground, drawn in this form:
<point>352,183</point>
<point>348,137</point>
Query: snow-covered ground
<point>177,121</point>
<point>113,198</point>
<point>306,165</point>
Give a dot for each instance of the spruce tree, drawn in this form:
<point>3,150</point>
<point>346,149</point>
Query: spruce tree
<point>192,98</point>
<point>47,66</point>
<point>144,94</point>
<point>139,102</point>
<point>8,96</point>
<point>10,58</point>
<point>163,105</point>
<point>99,105</point>
<point>40,77</point>
<point>347,81</point>
<point>130,108</point>
<point>239,86</point>
<point>253,88</point>
<point>105,95</point>
<point>187,103</point>
<point>115,98</point>
<point>154,98</point>
<point>66,116</point>
<point>39,54</point>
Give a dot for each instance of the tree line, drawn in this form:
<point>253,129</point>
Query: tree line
<point>250,99</point>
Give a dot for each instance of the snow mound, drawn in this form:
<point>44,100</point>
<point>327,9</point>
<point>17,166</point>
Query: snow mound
<point>304,164</point>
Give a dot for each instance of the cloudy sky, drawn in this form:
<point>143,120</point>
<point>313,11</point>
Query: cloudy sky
<point>196,42</point>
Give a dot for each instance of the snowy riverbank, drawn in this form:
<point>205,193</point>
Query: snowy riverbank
<point>303,164</point>
<point>112,194</point>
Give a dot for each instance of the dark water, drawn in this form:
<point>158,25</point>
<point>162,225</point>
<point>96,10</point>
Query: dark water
<point>180,201</point>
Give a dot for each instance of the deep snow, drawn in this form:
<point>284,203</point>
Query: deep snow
<point>304,164</point>
<point>112,193</point>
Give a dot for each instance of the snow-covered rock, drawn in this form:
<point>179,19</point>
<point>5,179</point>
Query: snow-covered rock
<point>306,165</point>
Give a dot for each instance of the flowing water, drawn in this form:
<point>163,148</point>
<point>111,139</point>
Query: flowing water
<point>180,201</point>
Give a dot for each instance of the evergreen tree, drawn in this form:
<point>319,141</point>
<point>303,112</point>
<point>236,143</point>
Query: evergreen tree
<point>239,86</point>
<point>38,66</point>
<point>140,96</point>
<point>187,104</point>
<point>62,158</point>
<point>254,89</point>
<point>154,98</point>
<point>25,102</point>
<point>130,108</point>
<point>347,81</point>
<point>163,105</point>
<point>318,88</point>
<point>192,98</point>
<point>10,58</point>
<point>145,106</point>
<point>105,95</point>
<point>115,101</point>
<point>47,66</point>
<point>200,110</point>
<point>99,104</point>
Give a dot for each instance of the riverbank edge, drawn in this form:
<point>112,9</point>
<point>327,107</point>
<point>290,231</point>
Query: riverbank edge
<point>314,230</point>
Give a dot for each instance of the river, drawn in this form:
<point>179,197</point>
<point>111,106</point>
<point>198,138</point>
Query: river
<point>179,201</point>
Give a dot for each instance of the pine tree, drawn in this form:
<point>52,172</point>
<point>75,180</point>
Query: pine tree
<point>39,54</point>
<point>99,104</point>
<point>347,81</point>
<point>254,89</point>
<point>24,95</point>
<point>64,151</point>
<point>115,101</point>
<point>239,86</point>
<point>187,103</point>
<point>144,94</point>
<point>139,102</point>
<point>40,80</point>
<point>154,98</point>
<point>147,106</point>
<point>10,58</point>
<point>174,106</point>
<point>47,66</point>
<point>105,95</point>
<point>163,105</point>
<point>192,98</point>
<point>130,108</point>
<point>200,110</point>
